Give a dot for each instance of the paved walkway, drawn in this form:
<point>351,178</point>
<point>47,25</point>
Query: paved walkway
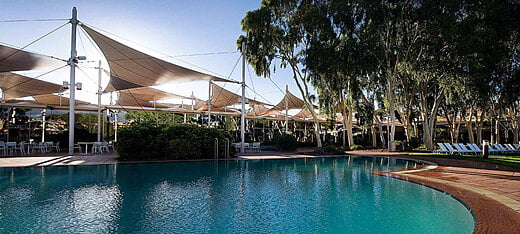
<point>57,160</point>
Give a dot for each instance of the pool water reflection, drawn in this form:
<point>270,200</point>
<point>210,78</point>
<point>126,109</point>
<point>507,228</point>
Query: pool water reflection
<point>296,196</point>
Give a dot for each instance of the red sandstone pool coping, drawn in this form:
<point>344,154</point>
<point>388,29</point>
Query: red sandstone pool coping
<point>491,191</point>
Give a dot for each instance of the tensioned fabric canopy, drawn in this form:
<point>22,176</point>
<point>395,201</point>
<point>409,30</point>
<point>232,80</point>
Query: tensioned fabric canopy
<point>130,68</point>
<point>221,97</point>
<point>306,114</point>
<point>12,59</point>
<point>55,100</point>
<point>17,86</point>
<point>291,101</point>
<point>261,110</point>
<point>144,97</point>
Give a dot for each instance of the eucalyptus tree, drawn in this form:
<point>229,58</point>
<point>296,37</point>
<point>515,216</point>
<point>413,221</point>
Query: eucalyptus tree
<point>275,32</point>
<point>483,55</point>
<point>333,57</point>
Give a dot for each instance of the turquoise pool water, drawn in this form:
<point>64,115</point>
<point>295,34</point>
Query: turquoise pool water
<point>334,195</point>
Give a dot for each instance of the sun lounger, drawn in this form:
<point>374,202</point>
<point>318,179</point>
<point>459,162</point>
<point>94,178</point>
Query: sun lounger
<point>475,147</point>
<point>502,149</point>
<point>451,149</point>
<point>512,147</point>
<point>463,149</point>
<point>443,149</point>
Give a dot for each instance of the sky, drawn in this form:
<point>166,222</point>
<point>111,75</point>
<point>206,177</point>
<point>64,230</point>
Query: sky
<point>173,27</point>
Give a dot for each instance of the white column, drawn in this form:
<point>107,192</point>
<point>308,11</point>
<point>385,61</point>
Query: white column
<point>115,126</point>
<point>44,114</point>
<point>72,64</point>
<point>209,103</point>
<point>286,108</point>
<point>242,114</point>
<point>99,103</point>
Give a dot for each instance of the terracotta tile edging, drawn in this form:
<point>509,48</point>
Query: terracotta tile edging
<point>493,213</point>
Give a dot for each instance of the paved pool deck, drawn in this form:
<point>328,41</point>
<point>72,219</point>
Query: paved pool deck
<point>491,191</point>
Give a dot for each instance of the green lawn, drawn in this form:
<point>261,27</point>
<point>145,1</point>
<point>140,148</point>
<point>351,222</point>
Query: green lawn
<point>506,160</point>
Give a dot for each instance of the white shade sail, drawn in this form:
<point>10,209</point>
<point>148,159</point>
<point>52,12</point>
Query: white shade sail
<point>221,97</point>
<point>289,101</point>
<point>17,86</point>
<point>261,110</point>
<point>12,59</point>
<point>55,100</point>
<point>130,68</point>
<point>144,97</point>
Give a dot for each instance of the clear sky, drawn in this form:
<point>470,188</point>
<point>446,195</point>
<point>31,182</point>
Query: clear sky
<point>174,27</point>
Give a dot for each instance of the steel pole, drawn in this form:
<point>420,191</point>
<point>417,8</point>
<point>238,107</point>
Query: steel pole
<point>243,112</point>
<point>72,64</point>
<point>99,103</point>
<point>286,108</point>
<point>209,104</point>
<point>44,114</point>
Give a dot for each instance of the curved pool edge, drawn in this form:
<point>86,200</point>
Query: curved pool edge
<point>493,213</point>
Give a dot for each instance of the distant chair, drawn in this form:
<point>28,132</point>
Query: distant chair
<point>105,147</point>
<point>20,147</point>
<point>78,147</point>
<point>3,148</point>
<point>11,146</point>
<point>56,146</point>
<point>255,147</point>
<point>39,146</point>
<point>97,148</point>
<point>48,146</point>
<point>112,145</point>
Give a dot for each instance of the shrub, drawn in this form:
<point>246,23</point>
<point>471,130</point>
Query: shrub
<point>285,141</point>
<point>329,150</point>
<point>356,147</point>
<point>149,142</point>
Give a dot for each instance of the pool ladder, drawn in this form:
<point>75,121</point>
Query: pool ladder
<point>226,148</point>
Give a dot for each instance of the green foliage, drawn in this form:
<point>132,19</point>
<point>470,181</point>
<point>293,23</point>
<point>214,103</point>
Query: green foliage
<point>413,58</point>
<point>285,141</point>
<point>158,118</point>
<point>356,147</point>
<point>150,142</point>
<point>330,150</point>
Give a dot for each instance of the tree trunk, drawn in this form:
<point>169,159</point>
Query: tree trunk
<point>350,134</point>
<point>344,113</point>
<point>457,132</point>
<point>469,126</point>
<point>391,136</point>
<point>374,136</point>
<point>516,132</point>
<point>429,116</point>
<point>381,134</point>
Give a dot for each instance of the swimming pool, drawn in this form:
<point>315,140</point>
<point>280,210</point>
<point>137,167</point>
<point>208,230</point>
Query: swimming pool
<point>310,195</point>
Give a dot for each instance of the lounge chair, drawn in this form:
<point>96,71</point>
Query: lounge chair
<point>502,149</point>
<point>511,147</point>
<point>451,149</point>
<point>494,150</point>
<point>475,147</point>
<point>442,149</point>
<point>463,149</point>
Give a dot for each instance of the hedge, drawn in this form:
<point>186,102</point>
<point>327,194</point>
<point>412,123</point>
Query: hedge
<point>149,142</point>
